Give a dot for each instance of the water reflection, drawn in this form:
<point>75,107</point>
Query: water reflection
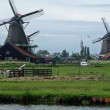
<point>45,107</point>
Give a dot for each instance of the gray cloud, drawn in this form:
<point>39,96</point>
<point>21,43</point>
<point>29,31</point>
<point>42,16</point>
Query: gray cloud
<point>56,35</point>
<point>95,5</point>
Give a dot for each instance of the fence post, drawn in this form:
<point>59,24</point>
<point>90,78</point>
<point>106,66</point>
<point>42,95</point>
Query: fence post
<point>14,73</point>
<point>58,73</point>
<point>33,72</point>
<point>79,73</point>
<point>9,74</point>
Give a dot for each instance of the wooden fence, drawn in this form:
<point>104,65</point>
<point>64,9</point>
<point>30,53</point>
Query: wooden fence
<point>30,72</point>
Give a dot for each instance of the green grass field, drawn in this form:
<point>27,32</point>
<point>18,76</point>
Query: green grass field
<point>61,88</point>
<point>71,88</point>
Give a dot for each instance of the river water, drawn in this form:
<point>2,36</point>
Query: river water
<point>46,107</point>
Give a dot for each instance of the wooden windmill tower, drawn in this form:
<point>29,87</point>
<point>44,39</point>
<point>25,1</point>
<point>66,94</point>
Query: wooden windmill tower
<point>16,34</point>
<point>105,40</point>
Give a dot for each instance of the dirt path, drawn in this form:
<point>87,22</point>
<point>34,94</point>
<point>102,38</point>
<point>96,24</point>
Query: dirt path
<point>53,78</point>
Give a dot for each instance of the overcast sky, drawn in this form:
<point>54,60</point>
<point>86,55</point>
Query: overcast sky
<point>63,24</point>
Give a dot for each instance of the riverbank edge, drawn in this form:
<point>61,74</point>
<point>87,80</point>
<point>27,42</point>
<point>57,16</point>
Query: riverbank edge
<point>48,99</point>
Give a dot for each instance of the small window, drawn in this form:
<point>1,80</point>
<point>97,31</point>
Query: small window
<point>7,52</point>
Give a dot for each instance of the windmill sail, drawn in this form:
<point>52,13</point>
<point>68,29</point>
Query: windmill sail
<point>96,40</point>
<point>13,7</point>
<point>22,18</point>
<point>5,21</point>
<point>100,39</point>
<point>105,39</point>
<point>33,34</point>
<point>105,24</point>
<point>32,15</point>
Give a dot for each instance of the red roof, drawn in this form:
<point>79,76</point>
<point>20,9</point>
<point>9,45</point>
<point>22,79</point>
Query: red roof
<point>48,58</point>
<point>106,55</point>
<point>23,51</point>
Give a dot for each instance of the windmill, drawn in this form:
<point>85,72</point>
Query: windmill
<point>16,34</point>
<point>105,40</point>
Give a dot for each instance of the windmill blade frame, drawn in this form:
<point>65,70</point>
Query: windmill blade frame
<point>31,15</point>
<point>96,40</point>
<point>13,7</point>
<point>21,18</point>
<point>3,22</point>
<point>37,32</point>
<point>100,39</point>
<point>107,35</point>
<point>105,24</point>
<point>6,21</point>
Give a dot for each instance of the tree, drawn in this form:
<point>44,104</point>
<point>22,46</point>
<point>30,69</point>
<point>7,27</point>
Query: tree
<point>42,53</point>
<point>85,51</point>
<point>76,55</point>
<point>73,55</point>
<point>82,52</point>
<point>88,53</point>
<point>64,54</point>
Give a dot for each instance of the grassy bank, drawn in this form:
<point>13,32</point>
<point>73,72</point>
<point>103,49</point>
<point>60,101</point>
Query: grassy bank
<point>54,92</point>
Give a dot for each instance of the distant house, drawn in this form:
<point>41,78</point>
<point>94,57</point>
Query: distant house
<point>10,51</point>
<point>48,59</point>
<point>56,57</point>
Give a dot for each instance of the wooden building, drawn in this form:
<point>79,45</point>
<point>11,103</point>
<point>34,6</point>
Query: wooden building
<point>10,51</point>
